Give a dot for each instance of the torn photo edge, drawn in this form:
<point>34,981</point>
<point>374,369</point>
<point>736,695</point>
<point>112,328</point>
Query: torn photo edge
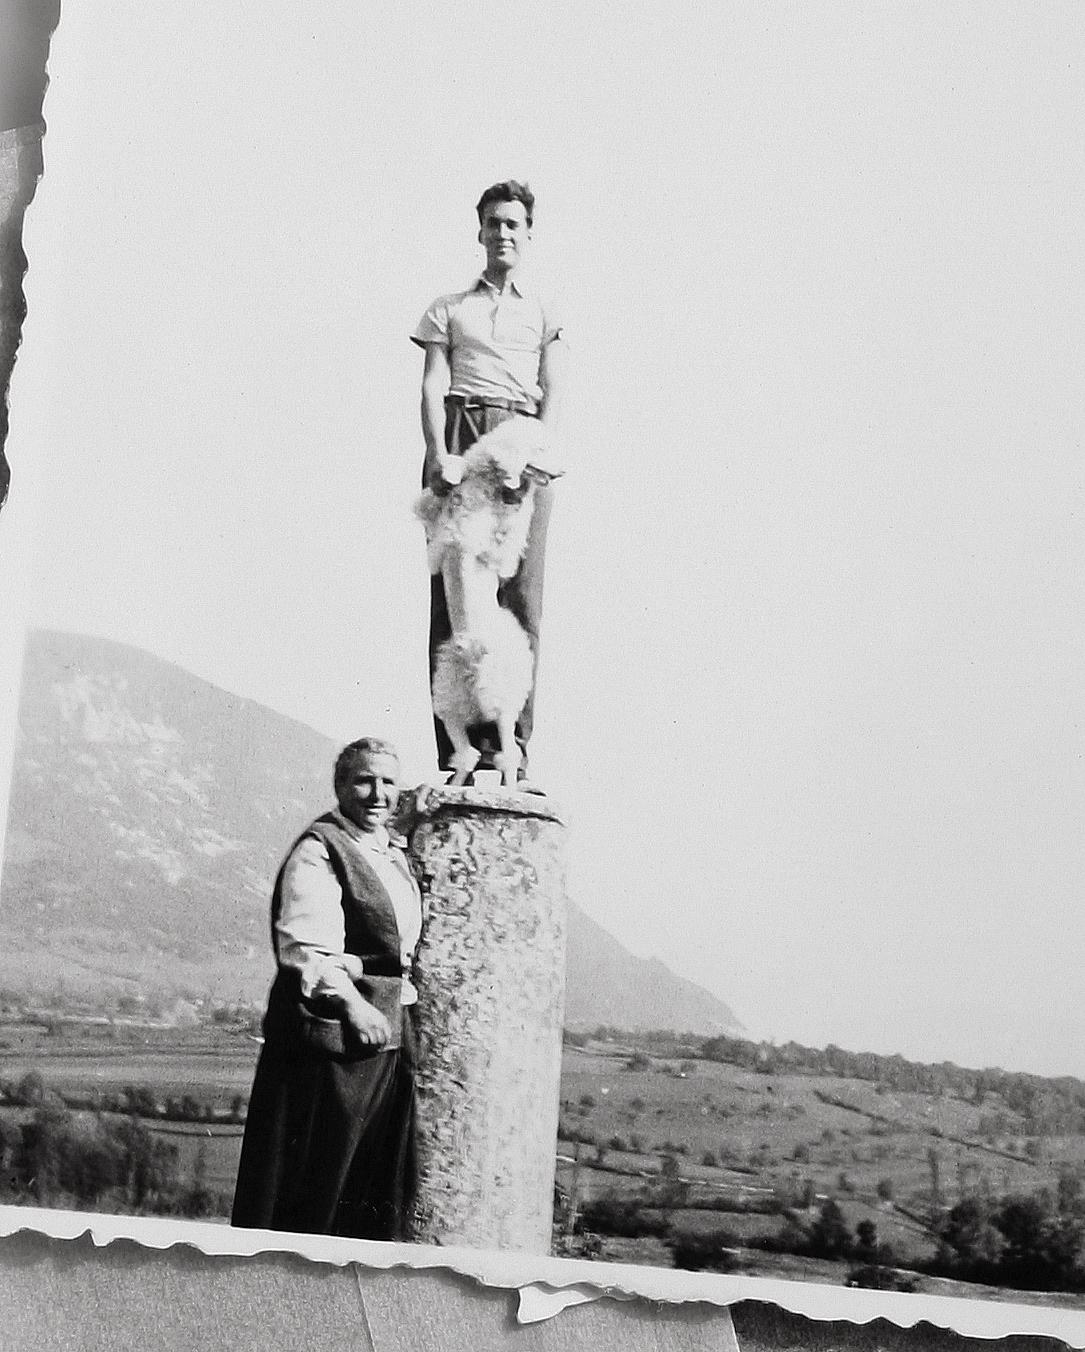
<point>977,1318</point>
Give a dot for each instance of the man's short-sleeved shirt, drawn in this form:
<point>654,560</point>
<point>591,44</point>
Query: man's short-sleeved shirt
<point>494,339</point>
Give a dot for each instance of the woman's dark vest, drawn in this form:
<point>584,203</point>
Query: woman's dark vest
<point>372,934</point>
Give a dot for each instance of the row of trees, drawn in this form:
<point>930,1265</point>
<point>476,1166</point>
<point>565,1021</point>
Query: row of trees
<point>828,1237</point>
<point>60,1158</point>
<point>137,1100</point>
<point>1045,1105</point>
<point>1030,1241</point>
<point>1040,1105</point>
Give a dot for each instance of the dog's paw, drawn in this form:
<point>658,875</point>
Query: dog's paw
<point>463,764</point>
<point>507,764</point>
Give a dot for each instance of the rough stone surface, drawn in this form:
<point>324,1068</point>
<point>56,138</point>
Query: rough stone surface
<point>491,975</point>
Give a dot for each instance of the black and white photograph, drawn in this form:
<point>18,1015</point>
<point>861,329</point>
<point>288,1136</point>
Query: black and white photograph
<point>713,908</point>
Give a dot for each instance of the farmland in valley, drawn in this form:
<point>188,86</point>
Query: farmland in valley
<point>696,1151</point>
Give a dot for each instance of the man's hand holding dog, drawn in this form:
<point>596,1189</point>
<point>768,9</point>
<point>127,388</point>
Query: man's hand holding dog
<point>446,473</point>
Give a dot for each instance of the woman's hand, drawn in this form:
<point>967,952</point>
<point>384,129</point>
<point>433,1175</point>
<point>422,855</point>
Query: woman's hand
<point>367,1022</point>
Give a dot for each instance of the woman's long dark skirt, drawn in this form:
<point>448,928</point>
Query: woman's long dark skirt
<point>329,1143</point>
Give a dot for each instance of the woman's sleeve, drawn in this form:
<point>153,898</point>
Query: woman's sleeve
<point>310,935</point>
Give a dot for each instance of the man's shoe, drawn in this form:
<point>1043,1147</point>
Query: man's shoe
<point>524,785</point>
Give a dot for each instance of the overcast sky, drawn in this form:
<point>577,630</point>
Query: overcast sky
<point>811,689</point>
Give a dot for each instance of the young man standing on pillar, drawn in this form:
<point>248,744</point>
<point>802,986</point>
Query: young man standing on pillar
<point>493,352</point>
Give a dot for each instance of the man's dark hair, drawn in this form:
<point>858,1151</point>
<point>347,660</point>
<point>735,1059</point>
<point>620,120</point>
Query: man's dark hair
<point>364,746</point>
<point>509,191</point>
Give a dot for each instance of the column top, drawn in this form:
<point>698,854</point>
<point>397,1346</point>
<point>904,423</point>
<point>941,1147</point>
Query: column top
<point>428,800</point>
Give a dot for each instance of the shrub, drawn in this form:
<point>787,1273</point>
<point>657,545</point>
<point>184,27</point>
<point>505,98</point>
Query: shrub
<point>91,1159</point>
<point>829,1235</point>
<point>1021,1241</point>
<point>11,1137</point>
<point>150,1165</point>
<point>790,1238</point>
<point>192,1110</point>
<point>623,1216</point>
<point>568,1131</point>
<point>672,1148</point>
<point>866,1240</point>
<point>700,1252</point>
<point>139,1099</point>
<point>786,1193</point>
<point>876,1278</point>
<point>970,1241</point>
<point>30,1089</point>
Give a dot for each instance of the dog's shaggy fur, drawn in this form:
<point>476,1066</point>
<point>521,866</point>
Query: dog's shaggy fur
<point>475,539</point>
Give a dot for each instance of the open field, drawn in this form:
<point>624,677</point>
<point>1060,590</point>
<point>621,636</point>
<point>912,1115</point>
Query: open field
<point>705,1146</point>
<point>212,1077</point>
<point>218,1146</point>
<point>205,1062</point>
<point>770,1128</point>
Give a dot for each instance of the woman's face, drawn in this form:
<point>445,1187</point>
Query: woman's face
<point>368,792</point>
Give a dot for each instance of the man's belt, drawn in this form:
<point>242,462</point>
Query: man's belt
<point>531,409</point>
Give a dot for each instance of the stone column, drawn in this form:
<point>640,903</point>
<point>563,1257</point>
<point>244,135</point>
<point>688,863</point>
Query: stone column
<point>491,977</point>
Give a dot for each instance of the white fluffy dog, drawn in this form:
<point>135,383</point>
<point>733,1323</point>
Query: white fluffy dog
<point>475,539</point>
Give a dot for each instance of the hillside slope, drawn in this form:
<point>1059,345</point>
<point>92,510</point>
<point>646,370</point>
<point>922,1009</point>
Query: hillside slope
<point>149,812</point>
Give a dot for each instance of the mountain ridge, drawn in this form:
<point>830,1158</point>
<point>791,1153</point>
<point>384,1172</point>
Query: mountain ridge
<point>149,812</point>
